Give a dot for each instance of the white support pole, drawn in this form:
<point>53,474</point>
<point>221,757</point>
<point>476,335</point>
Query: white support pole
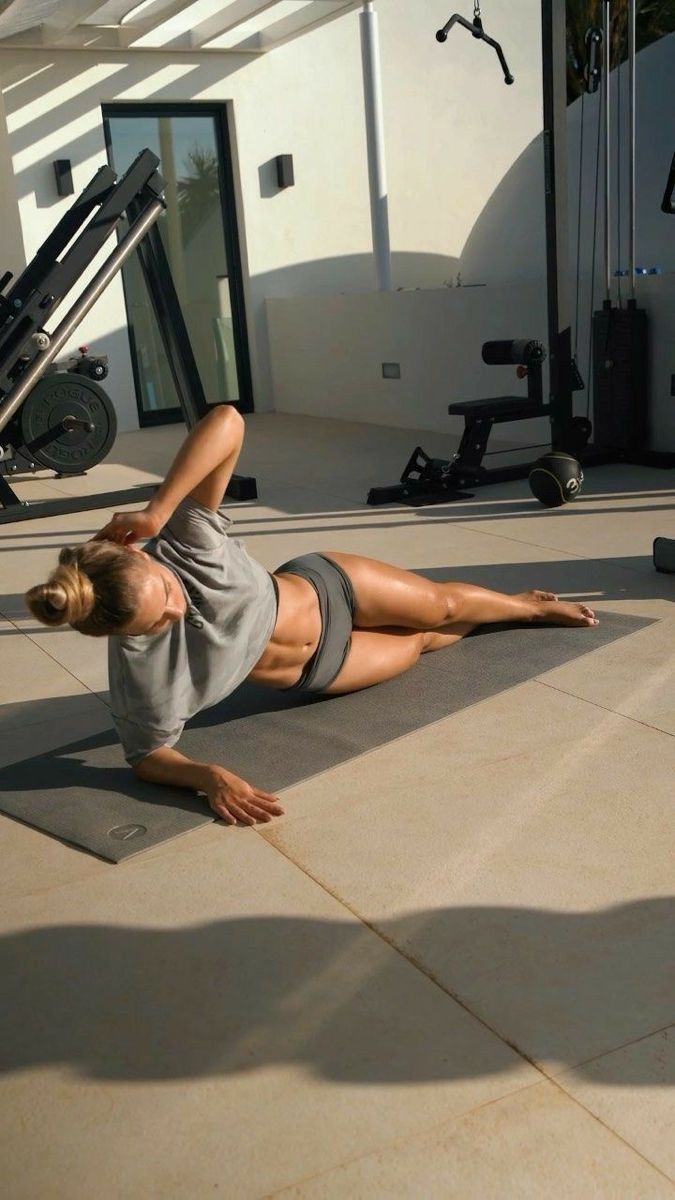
<point>379,201</point>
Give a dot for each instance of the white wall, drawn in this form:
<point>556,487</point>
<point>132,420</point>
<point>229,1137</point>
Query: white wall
<point>305,98</point>
<point>453,128</point>
<point>328,353</point>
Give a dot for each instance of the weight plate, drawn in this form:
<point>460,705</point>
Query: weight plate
<point>41,417</point>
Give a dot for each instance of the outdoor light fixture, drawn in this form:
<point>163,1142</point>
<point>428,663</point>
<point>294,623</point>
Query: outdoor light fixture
<point>285,173</point>
<point>64,177</point>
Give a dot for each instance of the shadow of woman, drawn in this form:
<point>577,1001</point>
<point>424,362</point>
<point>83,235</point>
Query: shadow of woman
<point>235,995</point>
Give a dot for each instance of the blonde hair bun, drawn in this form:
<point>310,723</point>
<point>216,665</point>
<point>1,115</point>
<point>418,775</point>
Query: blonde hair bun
<point>94,589</point>
<point>67,597</point>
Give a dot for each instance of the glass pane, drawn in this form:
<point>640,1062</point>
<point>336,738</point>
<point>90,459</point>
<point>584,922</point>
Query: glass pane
<point>192,234</point>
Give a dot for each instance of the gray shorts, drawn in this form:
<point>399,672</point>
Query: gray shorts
<point>337,607</point>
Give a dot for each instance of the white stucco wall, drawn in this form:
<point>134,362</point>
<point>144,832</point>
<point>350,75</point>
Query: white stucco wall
<point>328,353</point>
<point>305,98</point>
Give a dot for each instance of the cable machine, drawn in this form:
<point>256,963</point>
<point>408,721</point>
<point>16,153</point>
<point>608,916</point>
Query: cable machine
<point>620,346</point>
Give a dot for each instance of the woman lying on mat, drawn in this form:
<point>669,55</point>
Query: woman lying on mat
<point>191,616</point>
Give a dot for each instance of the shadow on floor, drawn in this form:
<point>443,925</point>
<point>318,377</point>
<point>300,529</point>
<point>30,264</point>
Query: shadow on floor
<point>235,995</point>
<point>597,579</point>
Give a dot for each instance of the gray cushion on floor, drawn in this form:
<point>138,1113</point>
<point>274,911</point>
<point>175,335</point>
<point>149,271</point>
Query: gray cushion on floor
<point>84,794</point>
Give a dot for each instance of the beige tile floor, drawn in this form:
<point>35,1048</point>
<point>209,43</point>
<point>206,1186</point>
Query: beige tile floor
<point>448,971</point>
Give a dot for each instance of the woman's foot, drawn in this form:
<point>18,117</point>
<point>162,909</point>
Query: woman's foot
<point>545,606</point>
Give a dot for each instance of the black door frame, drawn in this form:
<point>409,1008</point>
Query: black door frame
<point>220,113</point>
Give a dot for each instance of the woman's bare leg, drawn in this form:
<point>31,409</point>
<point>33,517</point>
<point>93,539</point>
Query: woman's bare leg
<point>390,596</point>
<point>379,654</point>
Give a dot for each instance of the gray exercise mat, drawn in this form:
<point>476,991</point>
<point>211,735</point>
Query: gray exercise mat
<point>84,794</point>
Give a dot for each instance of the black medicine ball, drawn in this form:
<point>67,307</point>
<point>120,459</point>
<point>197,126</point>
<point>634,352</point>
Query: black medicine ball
<point>556,478</point>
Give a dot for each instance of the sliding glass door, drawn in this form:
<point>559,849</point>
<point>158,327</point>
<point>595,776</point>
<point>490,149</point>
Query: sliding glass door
<point>199,233</point>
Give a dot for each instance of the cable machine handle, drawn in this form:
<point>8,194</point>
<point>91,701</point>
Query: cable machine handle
<point>592,70</point>
<point>475,28</point>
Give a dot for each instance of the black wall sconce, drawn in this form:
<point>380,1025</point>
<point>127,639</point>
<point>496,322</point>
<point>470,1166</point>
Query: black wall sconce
<point>64,177</point>
<point>285,173</point>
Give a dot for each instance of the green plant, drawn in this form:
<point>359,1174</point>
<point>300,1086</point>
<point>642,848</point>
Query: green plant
<point>198,191</point>
<point>654,19</point>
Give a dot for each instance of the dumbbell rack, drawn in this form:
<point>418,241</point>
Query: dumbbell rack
<point>27,349</point>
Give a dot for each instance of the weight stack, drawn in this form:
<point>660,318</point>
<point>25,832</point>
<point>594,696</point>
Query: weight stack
<point>620,378</point>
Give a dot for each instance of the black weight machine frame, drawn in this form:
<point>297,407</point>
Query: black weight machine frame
<point>664,548</point>
<point>27,349</point>
<point>435,481</point>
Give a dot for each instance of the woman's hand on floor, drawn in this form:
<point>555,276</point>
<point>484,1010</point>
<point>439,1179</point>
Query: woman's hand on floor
<point>233,799</point>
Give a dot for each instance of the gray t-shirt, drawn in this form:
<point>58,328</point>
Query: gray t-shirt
<point>158,681</point>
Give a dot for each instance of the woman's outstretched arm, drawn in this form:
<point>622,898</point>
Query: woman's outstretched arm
<point>230,797</point>
<point>202,469</point>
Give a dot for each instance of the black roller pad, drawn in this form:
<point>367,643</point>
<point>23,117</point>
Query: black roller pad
<point>84,793</point>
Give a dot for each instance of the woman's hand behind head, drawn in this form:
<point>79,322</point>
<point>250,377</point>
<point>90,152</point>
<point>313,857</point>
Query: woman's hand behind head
<point>128,527</point>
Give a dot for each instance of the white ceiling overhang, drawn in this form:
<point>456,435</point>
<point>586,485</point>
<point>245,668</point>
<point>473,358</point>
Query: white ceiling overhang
<point>173,26</point>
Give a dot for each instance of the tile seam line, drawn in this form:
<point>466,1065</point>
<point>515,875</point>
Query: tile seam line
<point>423,970</point>
<point>617,566</point>
<point>404,1139</point>
<point>400,1139</point>
<point>545,1077</point>
<point>603,708</point>
<point>613,1132</point>
<point>429,975</point>
<point>644,1037</point>
<point>42,650</point>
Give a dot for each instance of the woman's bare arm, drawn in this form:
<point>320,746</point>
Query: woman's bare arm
<point>202,469</point>
<point>204,464</point>
<point>230,797</point>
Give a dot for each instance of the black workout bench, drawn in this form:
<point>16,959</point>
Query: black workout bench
<point>428,480</point>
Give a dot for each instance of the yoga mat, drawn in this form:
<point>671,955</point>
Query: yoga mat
<point>85,794</point>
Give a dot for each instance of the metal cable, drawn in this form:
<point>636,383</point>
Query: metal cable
<point>618,167</point>
<point>581,171</point>
<point>595,229</point>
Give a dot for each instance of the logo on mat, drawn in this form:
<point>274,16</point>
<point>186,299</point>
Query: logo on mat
<point>124,833</point>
